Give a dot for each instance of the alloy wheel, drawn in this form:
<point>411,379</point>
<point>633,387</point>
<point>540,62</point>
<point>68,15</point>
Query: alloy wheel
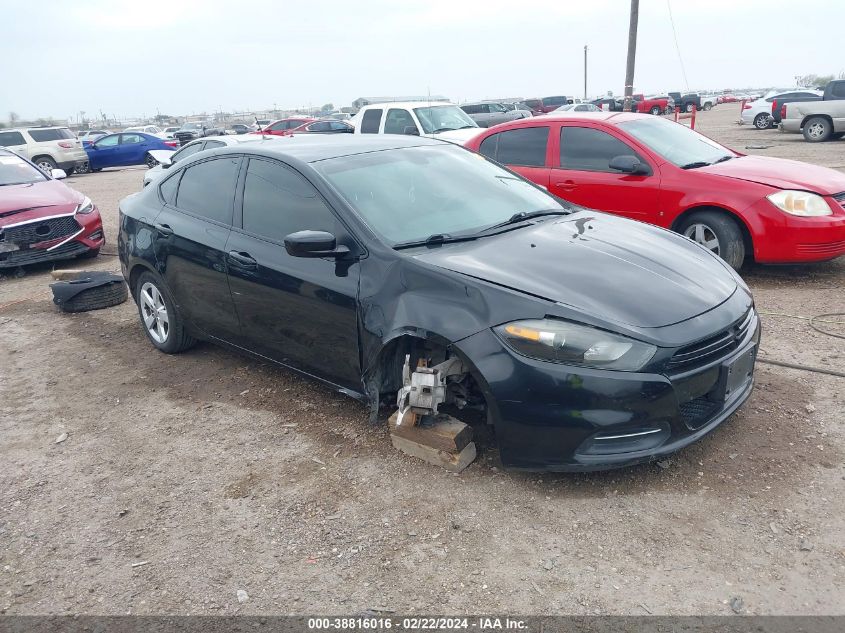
<point>762,122</point>
<point>45,166</point>
<point>154,313</point>
<point>815,130</point>
<point>705,236</point>
<point>151,162</point>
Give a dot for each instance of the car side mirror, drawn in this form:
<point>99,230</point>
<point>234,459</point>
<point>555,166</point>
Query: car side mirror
<point>314,244</point>
<point>411,130</point>
<point>58,174</point>
<point>628,165</point>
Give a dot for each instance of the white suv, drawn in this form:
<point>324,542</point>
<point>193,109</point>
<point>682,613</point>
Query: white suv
<point>48,147</point>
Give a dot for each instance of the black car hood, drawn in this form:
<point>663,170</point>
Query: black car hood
<point>608,267</point>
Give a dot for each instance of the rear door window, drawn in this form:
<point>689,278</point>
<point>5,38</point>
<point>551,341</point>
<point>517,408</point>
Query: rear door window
<point>186,151</point>
<point>524,147</point>
<point>370,121</point>
<point>131,139</point>
<point>208,189</point>
<point>838,90</point>
<point>54,134</point>
<point>588,149</point>
<point>9,139</point>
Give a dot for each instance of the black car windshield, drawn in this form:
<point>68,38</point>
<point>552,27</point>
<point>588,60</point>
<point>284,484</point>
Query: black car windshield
<point>409,194</point>
<point>676,142</point>
<point>14,170</point>
<point>443,118</point>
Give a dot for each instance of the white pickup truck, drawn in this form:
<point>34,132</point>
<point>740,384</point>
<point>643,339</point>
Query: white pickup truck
<point>419,118</point>
<point>818,120</point>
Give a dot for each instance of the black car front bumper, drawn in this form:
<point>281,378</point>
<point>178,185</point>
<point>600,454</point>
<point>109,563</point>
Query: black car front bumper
<point>556,417</point>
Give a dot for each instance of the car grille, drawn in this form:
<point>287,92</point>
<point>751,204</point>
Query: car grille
<point>40,230</point>
<point>826,248</point>
<point>696,413</point>
<point>713,348</point>
<point>184,137</point>
<point>35,255</point>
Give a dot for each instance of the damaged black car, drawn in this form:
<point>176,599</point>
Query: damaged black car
<point>588,341</point>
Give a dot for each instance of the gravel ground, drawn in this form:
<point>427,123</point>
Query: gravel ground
<point>184,479</point>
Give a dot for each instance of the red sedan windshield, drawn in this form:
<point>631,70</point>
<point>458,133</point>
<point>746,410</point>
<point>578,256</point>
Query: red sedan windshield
<point>676,143</point>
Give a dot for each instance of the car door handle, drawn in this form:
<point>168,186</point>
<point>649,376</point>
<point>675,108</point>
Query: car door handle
<point>164,229</point>
<point>242,259</point>
<point>566,184</point>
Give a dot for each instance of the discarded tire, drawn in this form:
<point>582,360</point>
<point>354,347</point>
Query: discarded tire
<point>90,291</point>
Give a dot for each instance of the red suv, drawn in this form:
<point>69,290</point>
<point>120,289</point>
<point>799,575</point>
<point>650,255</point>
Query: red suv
<point>283,127</point>
<point>651,169</point>
<point>41,219</point>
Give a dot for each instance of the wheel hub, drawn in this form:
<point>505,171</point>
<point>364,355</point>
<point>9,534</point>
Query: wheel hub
<point>704,235</point>
<point>154,313</point>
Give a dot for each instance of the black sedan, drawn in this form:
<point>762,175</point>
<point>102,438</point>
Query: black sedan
<point>589,341</point>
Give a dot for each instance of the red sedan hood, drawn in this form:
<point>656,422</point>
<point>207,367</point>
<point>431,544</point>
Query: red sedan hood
<point>25,202</point>
<point>781,174</point>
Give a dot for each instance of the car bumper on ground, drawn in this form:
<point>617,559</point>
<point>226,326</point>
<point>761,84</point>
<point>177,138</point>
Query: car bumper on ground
<point>50,239</point>
<point>556,417</point>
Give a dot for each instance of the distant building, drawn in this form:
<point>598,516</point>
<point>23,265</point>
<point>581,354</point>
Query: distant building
<point>360,102</point>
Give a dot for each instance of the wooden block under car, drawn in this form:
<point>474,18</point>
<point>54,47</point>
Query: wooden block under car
<point>66,275</point>
<point>442,441</point>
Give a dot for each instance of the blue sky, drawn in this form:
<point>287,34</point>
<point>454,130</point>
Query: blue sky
<point>129,58</point>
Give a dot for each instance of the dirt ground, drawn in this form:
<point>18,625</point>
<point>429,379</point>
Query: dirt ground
<point>184,479</point>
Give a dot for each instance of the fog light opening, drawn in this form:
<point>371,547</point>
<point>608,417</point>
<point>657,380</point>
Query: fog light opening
<point>625,440</point>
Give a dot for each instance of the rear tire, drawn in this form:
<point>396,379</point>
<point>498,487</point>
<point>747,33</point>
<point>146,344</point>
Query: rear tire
<point>150,161</point>
<point>689,107</point>
<point>718,233</point>
<point>707,106</point>
<point>45,164</point>
<point>159,319</point>
<point>655,110</point>
<point>762,121</point>
<point>817,129</point>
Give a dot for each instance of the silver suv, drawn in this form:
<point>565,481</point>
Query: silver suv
<point>48,147</point>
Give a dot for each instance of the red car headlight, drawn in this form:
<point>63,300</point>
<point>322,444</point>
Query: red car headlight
<point>85,207</point>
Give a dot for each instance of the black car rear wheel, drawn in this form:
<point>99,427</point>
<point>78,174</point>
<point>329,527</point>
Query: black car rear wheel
<point>718,233</point>
<point>159,318</point>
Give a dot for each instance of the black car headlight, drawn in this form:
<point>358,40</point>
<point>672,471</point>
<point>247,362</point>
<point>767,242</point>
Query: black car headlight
<point>564,342</point>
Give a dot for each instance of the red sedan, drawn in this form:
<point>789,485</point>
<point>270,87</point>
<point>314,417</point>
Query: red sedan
<point>283,127</point>
<point>41,219</point>
<point>651,169</point>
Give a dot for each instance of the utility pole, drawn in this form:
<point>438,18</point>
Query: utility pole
<point>585,72</point>
<point>632,53</point>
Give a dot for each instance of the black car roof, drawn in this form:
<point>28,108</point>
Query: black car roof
<point>312,148</point>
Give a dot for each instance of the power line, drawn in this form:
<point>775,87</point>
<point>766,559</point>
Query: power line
<point>677,48</point>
